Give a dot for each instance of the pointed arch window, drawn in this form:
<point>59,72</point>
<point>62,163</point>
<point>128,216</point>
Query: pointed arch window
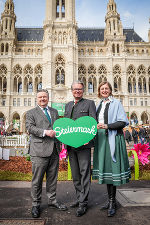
<point>60,70</point>
<point>113,48</point>
<point>17,73</point>
<point>117,48</point>
<point>92,84</point>
<point>7,47</point>
<point>82,74</point>
<point>2,47</point>
<point>38,79</point>
<point>60,9</point>
<point>140,85</point>
<point>129,85</point>
<point>19,87</point>
<point>3,78</point>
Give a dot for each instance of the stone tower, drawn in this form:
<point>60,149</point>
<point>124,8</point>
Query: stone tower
<point>7,45</point>
<point>60,50</point>
<point>114,37</point>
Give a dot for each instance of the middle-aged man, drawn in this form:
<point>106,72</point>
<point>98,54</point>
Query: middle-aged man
<point>80,158</point>
<point>44,152</point>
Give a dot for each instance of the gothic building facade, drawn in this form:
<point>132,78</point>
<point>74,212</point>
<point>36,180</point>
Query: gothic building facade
<point>55,55</point>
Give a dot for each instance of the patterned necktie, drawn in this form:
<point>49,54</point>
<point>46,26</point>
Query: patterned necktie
<point>47,115</point>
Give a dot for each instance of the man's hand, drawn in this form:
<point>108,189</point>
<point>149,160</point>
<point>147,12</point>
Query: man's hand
<point>50,133</point>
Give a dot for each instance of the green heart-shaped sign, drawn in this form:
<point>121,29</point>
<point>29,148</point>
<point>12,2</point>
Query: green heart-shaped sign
<point>75,133</point>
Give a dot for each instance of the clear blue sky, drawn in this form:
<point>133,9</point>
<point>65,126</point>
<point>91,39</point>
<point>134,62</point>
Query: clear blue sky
<point>89,13</point>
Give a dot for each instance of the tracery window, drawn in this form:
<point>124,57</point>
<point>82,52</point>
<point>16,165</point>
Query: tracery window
<point>117,84</point>
<point>17,69</point>
<point>17,72</point>
<point>60,70</point>
<point>131,70</point>
<point>117,70</point>
<point>28,81</point>
<point>117,78</point>
<point>82,74</point>
<point>91,69</point>
<point>2,47</point>
<point>3,79</point>
<point>92,84</point>
<point>102,71</point>
<point>141,70</point>
<point>82,70</point>
<point>38,78</point>
<point>131,79</point>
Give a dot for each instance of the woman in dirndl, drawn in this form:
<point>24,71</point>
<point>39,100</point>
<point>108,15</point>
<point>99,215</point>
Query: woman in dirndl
<point>110,159</point>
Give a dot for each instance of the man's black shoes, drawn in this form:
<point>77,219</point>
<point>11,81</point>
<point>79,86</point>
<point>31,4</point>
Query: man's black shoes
<point>81,210</point>
<point>58,206</point>
<point>36,211</point>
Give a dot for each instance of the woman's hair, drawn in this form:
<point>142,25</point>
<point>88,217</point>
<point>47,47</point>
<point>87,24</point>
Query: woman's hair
<point>103,83</point>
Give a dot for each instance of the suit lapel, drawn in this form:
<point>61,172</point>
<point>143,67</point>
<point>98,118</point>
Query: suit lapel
<point>42,114</point>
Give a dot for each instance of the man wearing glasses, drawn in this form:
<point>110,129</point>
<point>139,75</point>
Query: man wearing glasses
<point>80,158</point>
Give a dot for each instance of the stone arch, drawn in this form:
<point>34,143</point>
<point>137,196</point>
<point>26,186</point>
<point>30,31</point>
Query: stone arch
<point>16,121</point>
<point>134,118</point>
<point>144,118</point>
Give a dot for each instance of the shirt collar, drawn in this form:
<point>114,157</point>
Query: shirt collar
<point>43,108</point>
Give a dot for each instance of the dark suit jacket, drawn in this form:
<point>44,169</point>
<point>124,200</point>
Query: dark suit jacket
<point>84,107</point>
<point>36,123</point>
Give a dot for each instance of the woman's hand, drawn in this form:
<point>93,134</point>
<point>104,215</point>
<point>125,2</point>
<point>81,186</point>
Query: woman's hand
<point>102,126</point>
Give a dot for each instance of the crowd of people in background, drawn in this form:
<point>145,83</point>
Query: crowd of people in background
<point>140,134</point>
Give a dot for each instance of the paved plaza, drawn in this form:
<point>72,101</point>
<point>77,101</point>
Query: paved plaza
<point>133,205</point>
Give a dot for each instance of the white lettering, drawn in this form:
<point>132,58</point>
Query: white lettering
<point>59,131</point>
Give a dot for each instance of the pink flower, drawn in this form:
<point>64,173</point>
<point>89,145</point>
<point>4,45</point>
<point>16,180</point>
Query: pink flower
<point>143,151</point>
<point>63,153</point>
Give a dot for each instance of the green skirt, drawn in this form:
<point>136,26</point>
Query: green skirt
<point>105,170</point>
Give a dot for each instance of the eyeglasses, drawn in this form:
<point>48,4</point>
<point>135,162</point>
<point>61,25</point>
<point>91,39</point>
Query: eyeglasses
<point>77,89</point>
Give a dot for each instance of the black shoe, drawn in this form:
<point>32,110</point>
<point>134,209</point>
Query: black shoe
<point>58,206</point>
<point>36,211</point>
<point>112,208</point>
<point>74,205</point>
<point>81,211</point>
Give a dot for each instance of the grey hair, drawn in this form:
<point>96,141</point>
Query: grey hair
<point>77,82</point>
<point>43,90</point>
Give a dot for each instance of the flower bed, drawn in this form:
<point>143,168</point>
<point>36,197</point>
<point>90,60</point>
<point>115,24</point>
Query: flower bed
<point>20,164</point>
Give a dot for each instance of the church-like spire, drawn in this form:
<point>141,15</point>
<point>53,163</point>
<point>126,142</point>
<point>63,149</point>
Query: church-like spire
<point>8,19</point>
<point>112,19</point>
<point>60,10</point>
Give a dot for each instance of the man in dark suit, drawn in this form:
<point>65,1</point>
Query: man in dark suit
<point>80,158</point>
<point>44,152</point>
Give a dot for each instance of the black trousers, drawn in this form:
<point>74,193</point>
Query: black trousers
<point>80,162</point>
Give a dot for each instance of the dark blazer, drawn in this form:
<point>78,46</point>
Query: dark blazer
<point>84,107</point>
<point>36,123</point>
